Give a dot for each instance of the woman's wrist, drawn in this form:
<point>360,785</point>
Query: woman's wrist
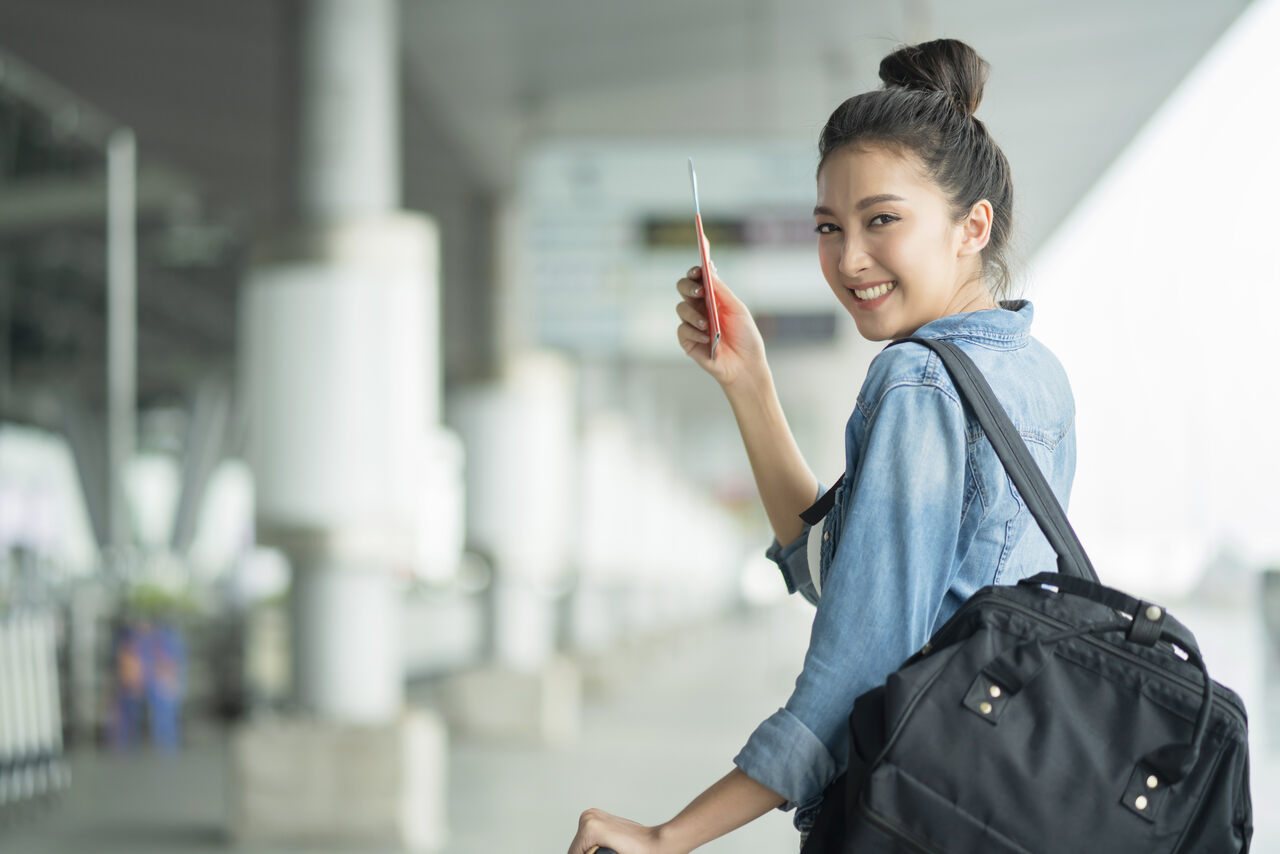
<point>671,839</point>
<point>751,383</point>
<point>728,804</point>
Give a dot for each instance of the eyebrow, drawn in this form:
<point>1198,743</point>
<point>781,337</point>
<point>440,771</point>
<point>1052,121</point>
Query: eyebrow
<point>865,203</point>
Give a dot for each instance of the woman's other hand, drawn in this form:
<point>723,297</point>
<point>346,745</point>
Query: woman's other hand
<point>599,828</point>
<point>741,351</point>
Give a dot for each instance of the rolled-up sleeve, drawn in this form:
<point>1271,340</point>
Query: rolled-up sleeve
<point>793,561</point>
<point>787,757</point>
<point>887,579</point>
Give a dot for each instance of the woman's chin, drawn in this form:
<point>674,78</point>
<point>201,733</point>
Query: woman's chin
<point>873,328</point>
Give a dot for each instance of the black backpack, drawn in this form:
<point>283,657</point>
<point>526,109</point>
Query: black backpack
<point>1056,715</point>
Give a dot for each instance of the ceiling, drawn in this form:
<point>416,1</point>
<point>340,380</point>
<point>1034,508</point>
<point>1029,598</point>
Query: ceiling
<point>1070,83</point>
<point>211,91</point>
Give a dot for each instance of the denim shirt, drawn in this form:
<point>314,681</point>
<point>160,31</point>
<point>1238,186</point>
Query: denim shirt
<point>925,517</point>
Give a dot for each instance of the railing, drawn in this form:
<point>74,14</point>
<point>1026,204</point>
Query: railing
<point>32,765</point>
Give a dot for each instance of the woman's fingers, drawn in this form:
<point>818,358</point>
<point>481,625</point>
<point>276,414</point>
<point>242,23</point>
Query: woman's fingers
<point>690,288</point>
<point>692,333</point>
<point>690,337</point>
<point>600,832</point>
<point>691,315</point>
<point>591,825</point>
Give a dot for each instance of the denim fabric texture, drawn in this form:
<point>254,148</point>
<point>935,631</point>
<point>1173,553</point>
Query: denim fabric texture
<point>926,516</point>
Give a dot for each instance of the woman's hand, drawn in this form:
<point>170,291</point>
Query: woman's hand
<point>741,351</point>
<point>599,828</point>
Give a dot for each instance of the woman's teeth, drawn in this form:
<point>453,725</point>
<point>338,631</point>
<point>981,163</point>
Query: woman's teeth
<point>877,291</point>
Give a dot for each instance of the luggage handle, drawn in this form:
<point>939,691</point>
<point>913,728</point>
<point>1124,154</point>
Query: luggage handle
<point>1014,456</point>
<point>1017,666</point>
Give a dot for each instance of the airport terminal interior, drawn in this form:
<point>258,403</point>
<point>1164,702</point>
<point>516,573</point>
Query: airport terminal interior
<point>355,492</point>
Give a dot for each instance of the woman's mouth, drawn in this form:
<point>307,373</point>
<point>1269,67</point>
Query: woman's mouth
<point>874,295</point>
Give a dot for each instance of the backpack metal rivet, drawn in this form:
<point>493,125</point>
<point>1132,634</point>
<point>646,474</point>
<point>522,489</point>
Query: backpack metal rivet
<point>994,691</point>
<point>1154,613</point>
<point>1152,782</point>
<point>985,708</point>
<point>1141,802</point>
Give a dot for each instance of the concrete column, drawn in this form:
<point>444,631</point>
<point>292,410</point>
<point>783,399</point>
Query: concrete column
<point>122,326</point>
<point>520,435</point>
<point>341,372</point>
<point>520,497</point>
<point>341,367</point>
<point>349,165</point>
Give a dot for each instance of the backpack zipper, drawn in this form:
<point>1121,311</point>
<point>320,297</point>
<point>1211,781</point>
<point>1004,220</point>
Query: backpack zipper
<point>1227,703</point>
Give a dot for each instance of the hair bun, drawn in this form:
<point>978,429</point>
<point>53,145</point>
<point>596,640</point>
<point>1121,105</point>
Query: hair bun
<point>942,65</point>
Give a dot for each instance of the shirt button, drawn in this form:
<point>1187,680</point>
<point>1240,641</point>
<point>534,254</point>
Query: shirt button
<point>826,535</point>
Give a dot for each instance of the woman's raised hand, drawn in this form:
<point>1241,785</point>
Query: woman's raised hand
<point>741,351</point>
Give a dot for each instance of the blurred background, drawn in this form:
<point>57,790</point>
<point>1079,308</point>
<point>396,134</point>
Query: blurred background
<point>354,493</point>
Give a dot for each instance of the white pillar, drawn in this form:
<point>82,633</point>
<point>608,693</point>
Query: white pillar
<point>349,163</point>
<point>341,348</point>
<point>520,436</point>
<point>346,642</point>
<point>340,357</point>
<point>122,327</point>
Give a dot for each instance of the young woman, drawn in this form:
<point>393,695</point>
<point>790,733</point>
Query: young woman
<point>913,215</point>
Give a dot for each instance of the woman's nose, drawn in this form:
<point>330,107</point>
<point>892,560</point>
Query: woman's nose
<point>853,258</point>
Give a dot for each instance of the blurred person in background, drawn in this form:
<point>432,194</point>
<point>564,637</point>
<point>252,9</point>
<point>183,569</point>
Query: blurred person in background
<point>913,216</point>
<point>165,655</point>
<point>148,679</point>
<point>128,686</point>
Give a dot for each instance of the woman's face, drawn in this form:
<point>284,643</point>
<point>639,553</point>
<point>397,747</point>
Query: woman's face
<point>889,248</point>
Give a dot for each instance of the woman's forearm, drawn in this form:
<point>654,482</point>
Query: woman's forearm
<point>731,802</point>
<point>783,478</point>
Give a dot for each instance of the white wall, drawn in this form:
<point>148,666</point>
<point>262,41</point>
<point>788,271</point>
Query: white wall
<point>1161,293</point>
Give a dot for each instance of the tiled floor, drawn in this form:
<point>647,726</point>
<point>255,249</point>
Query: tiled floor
<point>660,723</point>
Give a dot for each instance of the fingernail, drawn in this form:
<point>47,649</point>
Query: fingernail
<point>702,324</point>
<point>697,290</point>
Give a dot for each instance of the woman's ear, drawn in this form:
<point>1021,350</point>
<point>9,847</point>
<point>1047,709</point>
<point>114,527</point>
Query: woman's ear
<point>976,228</point>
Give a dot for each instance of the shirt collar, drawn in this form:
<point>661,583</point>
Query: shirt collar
<point>1007,327</point>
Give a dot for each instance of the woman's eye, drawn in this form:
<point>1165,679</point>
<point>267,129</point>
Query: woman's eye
<point>887,217</point>
<point>826,228</point>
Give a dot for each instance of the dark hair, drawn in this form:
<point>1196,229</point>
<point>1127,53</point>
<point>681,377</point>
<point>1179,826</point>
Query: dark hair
<point>926,106</point>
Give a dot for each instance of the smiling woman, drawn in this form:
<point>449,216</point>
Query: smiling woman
<point>914,205</point>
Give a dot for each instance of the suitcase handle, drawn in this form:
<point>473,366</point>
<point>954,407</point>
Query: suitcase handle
<point>1017,666</point>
